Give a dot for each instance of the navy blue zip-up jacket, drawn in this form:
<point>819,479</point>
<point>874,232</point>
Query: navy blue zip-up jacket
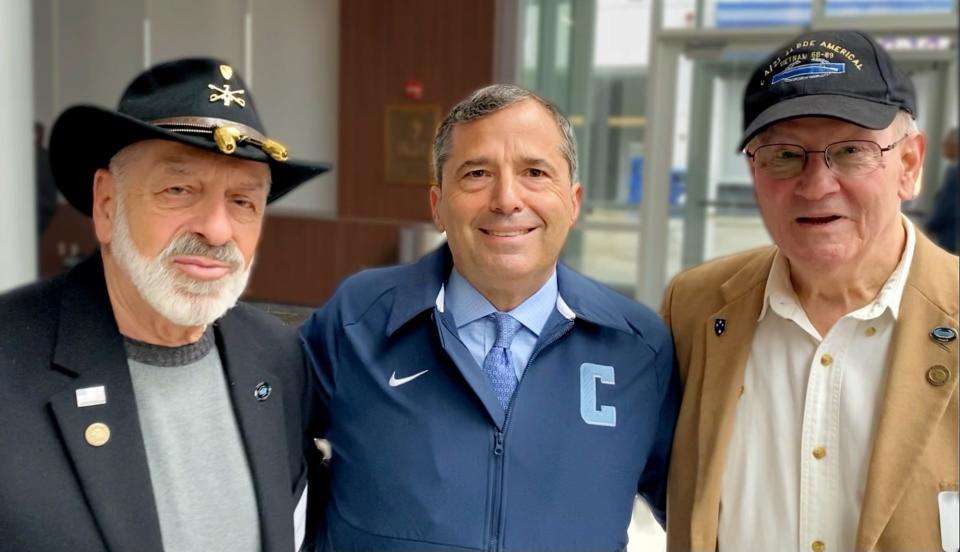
<point>432,462</point>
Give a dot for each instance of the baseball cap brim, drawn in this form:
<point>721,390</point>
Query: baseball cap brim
<point>859,111</point>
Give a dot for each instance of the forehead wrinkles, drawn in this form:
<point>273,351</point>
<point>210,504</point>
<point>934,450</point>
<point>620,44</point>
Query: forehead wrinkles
<point>230,171</point>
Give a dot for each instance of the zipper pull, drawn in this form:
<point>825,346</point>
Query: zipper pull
<point>498,448</point>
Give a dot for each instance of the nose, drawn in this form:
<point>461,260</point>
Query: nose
<point>212,222</point>
<point>506,197</point>
<point>817,180</point>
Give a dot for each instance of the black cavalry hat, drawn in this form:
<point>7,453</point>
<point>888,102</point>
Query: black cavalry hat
<point>199,102</point>
<point>841,74</point>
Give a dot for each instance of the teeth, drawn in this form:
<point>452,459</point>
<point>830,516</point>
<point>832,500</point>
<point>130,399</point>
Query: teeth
<point>507,234</point>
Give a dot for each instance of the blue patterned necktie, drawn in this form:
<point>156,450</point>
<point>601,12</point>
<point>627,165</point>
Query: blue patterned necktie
<point>498,365</point>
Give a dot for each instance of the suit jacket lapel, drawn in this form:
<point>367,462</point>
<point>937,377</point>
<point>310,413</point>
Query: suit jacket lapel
<point>912,406</point>
<point>725,359</point>
<point>262,427</point>
<point>114,477</point>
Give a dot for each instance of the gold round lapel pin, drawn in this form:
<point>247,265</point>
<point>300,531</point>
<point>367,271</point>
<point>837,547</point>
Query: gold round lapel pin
<point>97,434</point>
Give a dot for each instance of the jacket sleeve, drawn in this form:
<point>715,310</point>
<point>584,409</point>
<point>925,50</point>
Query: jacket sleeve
<point>317,337</point>
<point>653,481</point>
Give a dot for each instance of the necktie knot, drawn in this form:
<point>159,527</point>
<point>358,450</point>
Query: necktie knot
<point>507,327</point>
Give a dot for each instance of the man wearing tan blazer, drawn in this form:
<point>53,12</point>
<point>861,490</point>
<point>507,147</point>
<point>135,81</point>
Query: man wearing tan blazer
<point>820,375</point>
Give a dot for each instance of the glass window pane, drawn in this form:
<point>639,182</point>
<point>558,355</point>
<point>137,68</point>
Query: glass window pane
<point>877,7</point>
<point>761,13</point>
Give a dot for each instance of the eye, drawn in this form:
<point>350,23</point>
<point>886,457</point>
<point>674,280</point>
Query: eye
<point>786,154</point>
<point>176,190</point>
<point>245,203</point>
<point>536,173</point>
<point>476,173</point>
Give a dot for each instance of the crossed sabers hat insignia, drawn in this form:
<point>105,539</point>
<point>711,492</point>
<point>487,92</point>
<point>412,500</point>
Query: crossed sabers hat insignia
<point>227,95</point>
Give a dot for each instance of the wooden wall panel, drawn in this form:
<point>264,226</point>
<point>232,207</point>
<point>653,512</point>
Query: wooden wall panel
<point>448,45</point>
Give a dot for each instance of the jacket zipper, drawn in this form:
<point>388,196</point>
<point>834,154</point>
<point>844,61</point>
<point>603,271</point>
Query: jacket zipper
<point>498,447</point>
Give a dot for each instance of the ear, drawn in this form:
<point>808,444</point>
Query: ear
<point>576,196</point>
<point>911,160</point>
<point>436,194</point>
<point>104,205</point>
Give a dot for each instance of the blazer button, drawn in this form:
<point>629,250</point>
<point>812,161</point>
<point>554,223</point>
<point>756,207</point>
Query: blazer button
<point>262,391</point>
<point>938,375</point>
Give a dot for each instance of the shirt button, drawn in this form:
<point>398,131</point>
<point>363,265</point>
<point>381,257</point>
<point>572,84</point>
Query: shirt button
<point>826,360</point>
<point>819,452</point>
<point>871,331</point>
<point>817,546</point>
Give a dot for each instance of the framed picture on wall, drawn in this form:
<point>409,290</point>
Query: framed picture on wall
<point>409,139</point>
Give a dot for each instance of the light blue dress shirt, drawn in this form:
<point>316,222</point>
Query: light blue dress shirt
<point>470,311</point>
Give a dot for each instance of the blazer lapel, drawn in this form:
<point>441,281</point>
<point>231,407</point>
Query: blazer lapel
<point>263,429</point>
<point>912,405</point>
<point>114,477</point>
<point>729,336</point>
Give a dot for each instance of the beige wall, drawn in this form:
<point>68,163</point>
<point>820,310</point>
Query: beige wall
<point>87,51</point>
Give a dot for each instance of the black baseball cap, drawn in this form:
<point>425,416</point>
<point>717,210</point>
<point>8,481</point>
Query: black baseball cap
<point>841,74</point>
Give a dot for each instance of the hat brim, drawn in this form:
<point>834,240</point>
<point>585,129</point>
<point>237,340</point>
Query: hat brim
<point>861,112</point>
<point>86,137</point>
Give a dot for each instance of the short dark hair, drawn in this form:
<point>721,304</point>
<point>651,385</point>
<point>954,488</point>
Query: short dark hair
<point>491,99</point>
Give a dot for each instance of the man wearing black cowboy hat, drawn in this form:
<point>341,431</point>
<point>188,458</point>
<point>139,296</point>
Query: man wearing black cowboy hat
<point>145,410</point>
<point>820,401</point>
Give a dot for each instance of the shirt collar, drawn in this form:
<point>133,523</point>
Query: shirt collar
<point>780,296</point>
<point>467,305</point>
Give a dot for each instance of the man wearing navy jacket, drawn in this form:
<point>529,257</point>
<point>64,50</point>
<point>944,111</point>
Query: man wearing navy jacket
<point>488,397</point>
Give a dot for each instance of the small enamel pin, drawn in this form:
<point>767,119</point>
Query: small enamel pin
<point>719,326</point>
<point>943,334</point>
<point>91,396</point>
<point>97,434</point>
<point>262,391</point>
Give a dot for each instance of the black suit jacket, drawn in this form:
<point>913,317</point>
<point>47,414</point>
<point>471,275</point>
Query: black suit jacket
<point>58,493</point>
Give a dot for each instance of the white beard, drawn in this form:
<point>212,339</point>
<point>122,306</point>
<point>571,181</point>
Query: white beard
<point>177,297</point>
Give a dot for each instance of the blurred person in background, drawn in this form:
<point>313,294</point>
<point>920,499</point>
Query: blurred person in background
<point>488,397</point>
<point>820,375</point>
<point>945,215</point>
<point>146,410</point>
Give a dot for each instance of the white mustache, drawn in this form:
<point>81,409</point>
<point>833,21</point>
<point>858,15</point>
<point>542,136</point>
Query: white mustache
<point>192,245</point>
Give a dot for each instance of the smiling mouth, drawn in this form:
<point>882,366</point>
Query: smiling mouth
<point>507,233</point>
<point>818,220</point>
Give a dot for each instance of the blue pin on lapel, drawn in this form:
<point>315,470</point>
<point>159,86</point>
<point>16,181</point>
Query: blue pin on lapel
<point>719,326</point>
<point>943,334</point>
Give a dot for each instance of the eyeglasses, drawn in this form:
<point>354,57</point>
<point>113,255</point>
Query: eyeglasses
<point>847,158</point>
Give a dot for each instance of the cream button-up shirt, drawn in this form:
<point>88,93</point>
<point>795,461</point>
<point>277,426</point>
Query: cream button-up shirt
<point>796,469</point>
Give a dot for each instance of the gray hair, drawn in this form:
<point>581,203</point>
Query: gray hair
<point>904,123</point>
<point>489,100</point>
<point>121,161</point>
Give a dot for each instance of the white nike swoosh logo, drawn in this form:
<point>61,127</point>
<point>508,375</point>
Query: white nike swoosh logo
<point>397,382</point>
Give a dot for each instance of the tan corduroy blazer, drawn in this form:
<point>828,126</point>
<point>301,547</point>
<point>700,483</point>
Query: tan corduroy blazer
<point>914,453</point>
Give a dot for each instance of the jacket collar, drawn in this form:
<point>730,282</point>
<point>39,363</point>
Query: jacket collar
<point>114,477</point>
<point>420,286</point>
<point>912,407</point>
